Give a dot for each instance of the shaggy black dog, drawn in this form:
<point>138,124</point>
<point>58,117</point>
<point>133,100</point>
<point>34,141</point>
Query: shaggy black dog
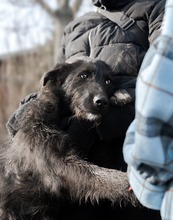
<point>45,169</point>
<point>42,169</point>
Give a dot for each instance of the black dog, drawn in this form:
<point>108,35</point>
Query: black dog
<point>46,170</point>
<point>41,168</point>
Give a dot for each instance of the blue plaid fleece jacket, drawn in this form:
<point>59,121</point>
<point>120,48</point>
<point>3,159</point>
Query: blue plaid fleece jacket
<point>148,147</point>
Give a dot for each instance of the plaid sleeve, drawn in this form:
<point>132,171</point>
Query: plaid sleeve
<point>154,107</point>
<point>148,147</point>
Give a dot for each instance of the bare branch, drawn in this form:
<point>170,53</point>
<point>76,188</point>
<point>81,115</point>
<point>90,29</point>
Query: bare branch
<point>63,3</point>
<point>76,5</point>
<point>46,7</point>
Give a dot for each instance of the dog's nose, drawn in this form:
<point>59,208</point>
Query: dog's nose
<point>100,102</point>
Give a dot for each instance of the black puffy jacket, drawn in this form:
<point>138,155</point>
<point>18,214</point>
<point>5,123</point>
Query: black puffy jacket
<point>95,36</point>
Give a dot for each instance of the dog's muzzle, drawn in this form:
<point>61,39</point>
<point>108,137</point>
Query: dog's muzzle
<point>100,103</point>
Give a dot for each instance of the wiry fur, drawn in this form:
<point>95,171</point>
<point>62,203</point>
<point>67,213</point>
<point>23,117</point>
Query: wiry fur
<point>41,169</point>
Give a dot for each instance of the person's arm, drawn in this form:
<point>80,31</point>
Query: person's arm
<point>148,144</point>
<point>155,20</point>
<point>13,123</point>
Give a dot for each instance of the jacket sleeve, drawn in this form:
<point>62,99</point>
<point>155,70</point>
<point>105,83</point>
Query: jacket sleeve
<point>13,123</point>
<point>148,144</point>
<point>155,20</point>
<point>75,41</point>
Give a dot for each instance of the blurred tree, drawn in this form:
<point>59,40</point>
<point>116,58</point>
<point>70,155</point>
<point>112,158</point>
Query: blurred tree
<point>61,16</point>
<point>26,23</point>
<point>27,15</point>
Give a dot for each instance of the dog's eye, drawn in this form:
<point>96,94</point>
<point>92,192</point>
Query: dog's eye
<point>84,76</point>
<point>108,81</point>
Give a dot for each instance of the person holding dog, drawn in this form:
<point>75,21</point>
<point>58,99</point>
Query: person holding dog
<point>119,33</point>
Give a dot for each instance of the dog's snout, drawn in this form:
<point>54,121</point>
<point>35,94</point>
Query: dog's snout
<point>100,102</point>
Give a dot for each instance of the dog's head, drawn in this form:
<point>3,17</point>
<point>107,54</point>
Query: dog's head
<point>88,87</point>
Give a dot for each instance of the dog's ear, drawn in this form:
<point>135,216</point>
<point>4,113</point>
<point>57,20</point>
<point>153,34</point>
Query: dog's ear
<point>58,74</point>
<point>48,76</point>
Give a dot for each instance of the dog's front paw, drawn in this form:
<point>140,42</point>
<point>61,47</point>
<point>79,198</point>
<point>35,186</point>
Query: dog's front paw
<point>121,97</point>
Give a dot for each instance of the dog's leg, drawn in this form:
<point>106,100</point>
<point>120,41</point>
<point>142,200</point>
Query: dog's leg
<point>64,169</point>
<point>82,180</point>
<point>89,182</point>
